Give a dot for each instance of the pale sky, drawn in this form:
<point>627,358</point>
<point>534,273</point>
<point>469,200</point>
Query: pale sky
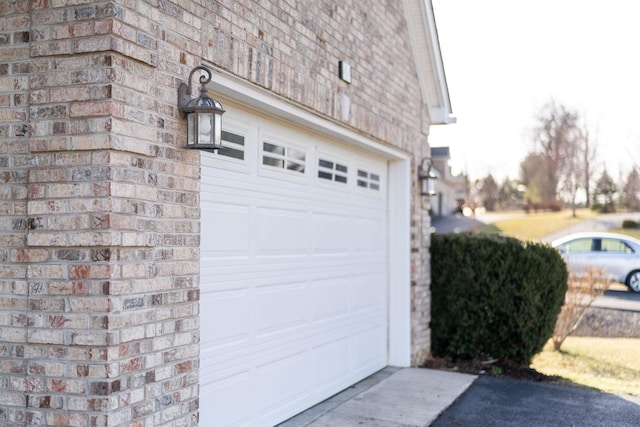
<point>504,59</point>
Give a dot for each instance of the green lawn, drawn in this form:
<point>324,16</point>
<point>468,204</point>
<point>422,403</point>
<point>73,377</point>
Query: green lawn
<point>607,364</point>
<point>633,232</point>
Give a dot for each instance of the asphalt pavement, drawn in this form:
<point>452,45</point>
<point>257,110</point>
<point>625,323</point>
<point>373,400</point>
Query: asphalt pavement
<point>505,402</point>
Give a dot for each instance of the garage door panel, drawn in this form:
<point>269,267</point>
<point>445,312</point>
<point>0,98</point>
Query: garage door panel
<point>369,348</point>
<point>282,382</point>
<point>331,233</point>
<point>281,232</point>
<point>368,292</point>
<point>228,308</point>
<point>331,361</point>
<point>330,299</point>
<point>230,236</point>
<point>366,234</point>
<point>228,399</point>
<point>238,273</point>
<point>279,307</point>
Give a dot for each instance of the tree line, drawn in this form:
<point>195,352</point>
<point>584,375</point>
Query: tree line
<point>561,169</point>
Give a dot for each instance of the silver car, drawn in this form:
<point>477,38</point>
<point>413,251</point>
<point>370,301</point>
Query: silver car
<point>617,254</point>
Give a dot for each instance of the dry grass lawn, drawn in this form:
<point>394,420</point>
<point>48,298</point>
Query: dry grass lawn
<point>607,364</point>
<point>538,225</point>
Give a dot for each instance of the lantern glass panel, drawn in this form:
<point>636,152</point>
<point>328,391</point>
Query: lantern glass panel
<point>192,129</point>
<point>425,186</point>
<point>217,129</point>
<point>431,186</point>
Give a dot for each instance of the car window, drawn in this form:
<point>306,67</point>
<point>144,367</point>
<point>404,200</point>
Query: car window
<point>615,246</point>
<point>578,245</point>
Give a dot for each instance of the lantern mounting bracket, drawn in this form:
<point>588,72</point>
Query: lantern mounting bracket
<point>185,91</point>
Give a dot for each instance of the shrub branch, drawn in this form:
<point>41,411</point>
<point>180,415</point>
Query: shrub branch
<point>583,289</point>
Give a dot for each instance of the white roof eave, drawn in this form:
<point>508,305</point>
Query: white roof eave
<point>430,68</point>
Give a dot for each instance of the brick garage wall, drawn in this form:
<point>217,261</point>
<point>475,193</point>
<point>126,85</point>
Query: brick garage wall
<point>100,228</point>
<point>14,166</point>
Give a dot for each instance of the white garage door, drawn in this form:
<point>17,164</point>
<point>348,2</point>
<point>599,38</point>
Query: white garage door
<point>294,287</point>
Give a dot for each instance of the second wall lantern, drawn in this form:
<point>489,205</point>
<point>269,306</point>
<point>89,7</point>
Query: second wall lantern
<point>427,178</point>
<point>204,114</point>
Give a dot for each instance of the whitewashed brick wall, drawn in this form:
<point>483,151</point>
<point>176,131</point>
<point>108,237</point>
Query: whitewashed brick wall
<point>99,204</point>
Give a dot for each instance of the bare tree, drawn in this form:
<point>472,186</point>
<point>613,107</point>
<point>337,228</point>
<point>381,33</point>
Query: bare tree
<point>556,129</point>
<point>563,141</point>
<point>572,169</point>
<point>631,191</point>
<point>589,155</point>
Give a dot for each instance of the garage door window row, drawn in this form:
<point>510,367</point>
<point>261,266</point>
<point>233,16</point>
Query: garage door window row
<point>293,160</point>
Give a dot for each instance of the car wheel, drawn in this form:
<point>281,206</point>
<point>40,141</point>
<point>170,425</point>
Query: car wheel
<point>633,281</point>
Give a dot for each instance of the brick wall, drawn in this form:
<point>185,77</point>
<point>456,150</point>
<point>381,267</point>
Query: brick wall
<point>99,214</point>
<point>15,162</point>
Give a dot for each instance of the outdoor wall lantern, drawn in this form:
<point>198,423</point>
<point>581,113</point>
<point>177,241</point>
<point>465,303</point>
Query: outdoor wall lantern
<point>204,115</point>
<point>427,178</point>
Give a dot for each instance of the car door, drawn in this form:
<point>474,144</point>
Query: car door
<point>617,257</point>
<point>583,254</point>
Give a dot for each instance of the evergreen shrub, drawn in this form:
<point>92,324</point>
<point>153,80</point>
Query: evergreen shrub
<point>493,296</point>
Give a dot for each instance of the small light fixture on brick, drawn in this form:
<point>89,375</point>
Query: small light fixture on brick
<point>427,178</point>
<point>204,114</point>
<point>344,71</point>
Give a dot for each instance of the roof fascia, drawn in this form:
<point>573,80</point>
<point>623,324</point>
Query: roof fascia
<point>428,58</point>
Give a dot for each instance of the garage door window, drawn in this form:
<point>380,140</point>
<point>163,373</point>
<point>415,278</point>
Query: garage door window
<point>282,157</point>
<point>232,145</point>
<point>332,171</point>
<point>368,180</point>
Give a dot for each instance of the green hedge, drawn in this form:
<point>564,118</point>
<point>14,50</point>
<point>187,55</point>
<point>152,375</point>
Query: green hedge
<point>493,295</point>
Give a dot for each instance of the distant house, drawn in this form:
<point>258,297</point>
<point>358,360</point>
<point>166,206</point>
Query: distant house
<point>451,190</point>
<point>146,284</point>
